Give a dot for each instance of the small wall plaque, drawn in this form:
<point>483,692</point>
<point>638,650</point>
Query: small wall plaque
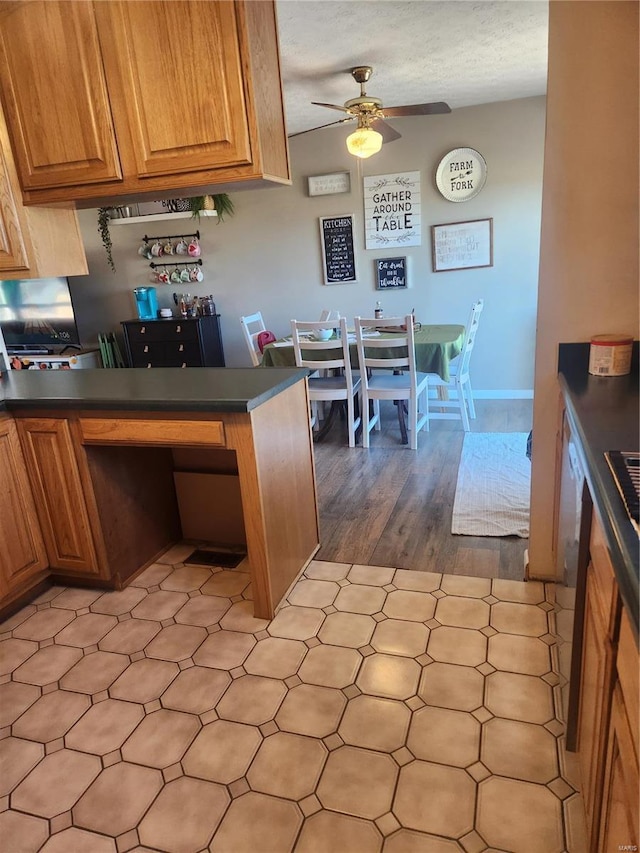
<point>340,182</point>
<point>391,273</point>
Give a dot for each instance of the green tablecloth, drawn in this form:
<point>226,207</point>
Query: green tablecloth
<point>435,347</point>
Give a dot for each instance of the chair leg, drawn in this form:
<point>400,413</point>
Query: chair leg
<point>470,403</point>
<point>463,406</point>
<point>352,422</point>
<point>364,415</point>
<point>413,422</point>
<point>376,415</point>
<point>425,408</point>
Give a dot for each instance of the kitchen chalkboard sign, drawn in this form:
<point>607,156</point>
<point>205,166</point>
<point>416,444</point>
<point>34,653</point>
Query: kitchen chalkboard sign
<point>338,255</point>
<point>391,273</point>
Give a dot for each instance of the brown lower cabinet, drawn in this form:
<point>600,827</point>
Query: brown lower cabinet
<point>89,497</point>
<point>60,499</point>
<point>620,790</point>
<point>23,559</point>
<point>608,715</point>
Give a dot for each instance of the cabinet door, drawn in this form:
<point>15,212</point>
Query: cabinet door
<point>58,490</point>
<point>619,819</point>
<point>595,698</point>
<point>175,79</point>
<point>55,94</point>
<point>13,253</point>
<point>22,554</point>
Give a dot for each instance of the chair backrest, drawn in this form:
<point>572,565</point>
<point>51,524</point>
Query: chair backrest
<point>470,337</point>
<point>370,349</point>
<point>252,325</point>
<point>332,353</point>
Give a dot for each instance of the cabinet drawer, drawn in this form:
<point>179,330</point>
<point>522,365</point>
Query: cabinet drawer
<point>162,330</point>
<point>161,433</point>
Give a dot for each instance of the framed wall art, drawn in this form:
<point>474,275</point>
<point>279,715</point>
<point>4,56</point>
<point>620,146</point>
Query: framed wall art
<point>338,254</point>
<point>391,273</point>
<point>462,245</point>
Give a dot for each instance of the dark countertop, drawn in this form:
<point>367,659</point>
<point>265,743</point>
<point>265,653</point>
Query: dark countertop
<point>604,414</point>
<point>163,389</point>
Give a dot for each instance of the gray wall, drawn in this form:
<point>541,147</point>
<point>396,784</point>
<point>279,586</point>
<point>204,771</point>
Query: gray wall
<point>268,257</point>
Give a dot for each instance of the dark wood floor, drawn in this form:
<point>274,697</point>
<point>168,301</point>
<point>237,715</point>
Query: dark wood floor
<point>391,506</point>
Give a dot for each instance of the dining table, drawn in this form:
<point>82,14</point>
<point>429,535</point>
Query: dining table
<point>436,344</point>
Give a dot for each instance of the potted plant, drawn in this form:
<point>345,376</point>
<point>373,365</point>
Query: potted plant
<point>221,203</point>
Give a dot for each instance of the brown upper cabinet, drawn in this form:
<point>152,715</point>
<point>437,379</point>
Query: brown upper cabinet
<point>35,242</point>
<point>138,98</point>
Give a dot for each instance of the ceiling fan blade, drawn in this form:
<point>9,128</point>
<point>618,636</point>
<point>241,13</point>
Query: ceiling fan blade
<point>389,134</point>
<point>436,108</point>
<point>329,106</point>
<point>331,124</point>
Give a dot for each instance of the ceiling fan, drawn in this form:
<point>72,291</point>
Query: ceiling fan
<point>372,130</point>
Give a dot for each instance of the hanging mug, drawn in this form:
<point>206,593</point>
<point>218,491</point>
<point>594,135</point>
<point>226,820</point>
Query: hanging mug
<point>168,248</point>
<point>156,249</point>
<point>163,277</point>
<point>185,275</point>
<point>196,274</point>
<point>144,249</point>
<point>194,248</point>
<point>181,247</point>
<point>175,276</point>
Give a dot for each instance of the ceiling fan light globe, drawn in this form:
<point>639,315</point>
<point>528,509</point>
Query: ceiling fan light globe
<point>364,142</point>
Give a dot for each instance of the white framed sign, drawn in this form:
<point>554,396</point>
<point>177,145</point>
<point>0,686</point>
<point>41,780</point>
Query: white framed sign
<point>392,210</point>
<point>462,245</point>
<point>340,182</point>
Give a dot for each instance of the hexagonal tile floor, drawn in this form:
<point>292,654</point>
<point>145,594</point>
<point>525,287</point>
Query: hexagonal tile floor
<point>381,711</point>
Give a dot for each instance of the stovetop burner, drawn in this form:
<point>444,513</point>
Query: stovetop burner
<point>625,468</point>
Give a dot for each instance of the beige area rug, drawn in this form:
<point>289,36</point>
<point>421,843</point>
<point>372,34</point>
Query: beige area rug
<point>494,481</point>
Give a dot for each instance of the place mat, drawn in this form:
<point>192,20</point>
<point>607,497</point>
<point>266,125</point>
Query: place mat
<point>394,329</point>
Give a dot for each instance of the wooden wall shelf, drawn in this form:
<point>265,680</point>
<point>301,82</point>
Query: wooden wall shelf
<point>159,217</point>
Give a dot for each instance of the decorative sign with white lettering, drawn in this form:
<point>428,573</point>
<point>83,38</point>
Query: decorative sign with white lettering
<point>338,255</point>
<point>392,210</point>
<point>329,184</point>
<point>462,245</point>
<point>391,273</point>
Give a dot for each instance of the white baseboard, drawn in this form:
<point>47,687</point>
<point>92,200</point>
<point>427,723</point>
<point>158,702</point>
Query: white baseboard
<point>514,394</point>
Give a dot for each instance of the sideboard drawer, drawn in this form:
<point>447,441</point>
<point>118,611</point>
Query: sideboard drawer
<point>190,342</point>
<point>162,330</point>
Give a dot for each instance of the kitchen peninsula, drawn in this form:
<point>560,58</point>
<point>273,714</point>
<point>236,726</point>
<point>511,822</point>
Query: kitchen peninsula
<point>88,457</point>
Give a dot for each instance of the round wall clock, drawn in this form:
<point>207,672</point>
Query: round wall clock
<point>461,174</point>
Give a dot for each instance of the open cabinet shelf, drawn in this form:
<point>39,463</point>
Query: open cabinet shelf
<point>159,217</point>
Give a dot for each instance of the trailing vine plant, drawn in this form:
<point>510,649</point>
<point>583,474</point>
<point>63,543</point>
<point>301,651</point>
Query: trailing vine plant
<point>103,228</point>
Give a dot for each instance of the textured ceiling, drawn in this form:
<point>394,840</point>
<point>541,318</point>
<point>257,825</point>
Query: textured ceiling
<point>458,51</point>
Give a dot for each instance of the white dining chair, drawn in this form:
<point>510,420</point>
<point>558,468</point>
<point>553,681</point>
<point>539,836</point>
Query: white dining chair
<point>252,325</point>
<point>399,381</point>
<point>332,358</point>
<point>461,405</point>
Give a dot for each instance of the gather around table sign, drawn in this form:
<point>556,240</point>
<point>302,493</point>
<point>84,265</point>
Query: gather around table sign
<point>435,345</point>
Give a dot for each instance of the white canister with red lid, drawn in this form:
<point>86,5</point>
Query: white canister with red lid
<point>610,355</point>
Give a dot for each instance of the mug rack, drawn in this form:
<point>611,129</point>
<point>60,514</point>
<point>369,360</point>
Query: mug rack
<point>188,262</point>
<point>195,234</point>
